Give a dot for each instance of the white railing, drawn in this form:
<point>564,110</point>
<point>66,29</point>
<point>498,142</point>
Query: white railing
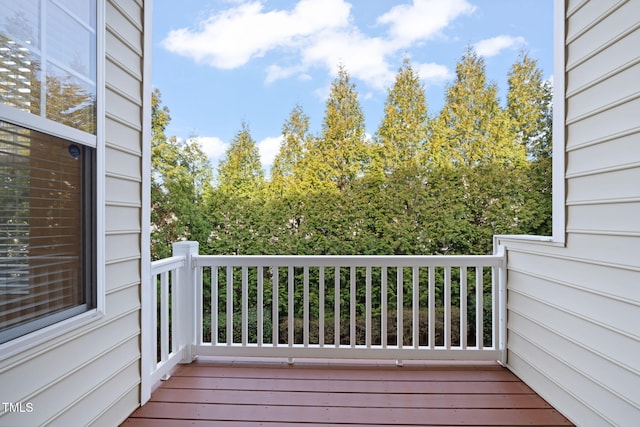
<point>170,314</point>
<point>372,307</point>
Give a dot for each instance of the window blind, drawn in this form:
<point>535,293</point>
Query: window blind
<point>43,222</point>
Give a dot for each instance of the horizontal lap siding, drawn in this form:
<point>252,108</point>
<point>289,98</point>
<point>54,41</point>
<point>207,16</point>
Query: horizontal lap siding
<point>573,333</point>
<point>118,394</point>
<point>92,375</point>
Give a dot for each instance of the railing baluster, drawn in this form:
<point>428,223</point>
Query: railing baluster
<point>199,313</point>
<point>164,316</point>
<point>463,307</point>
<point>495,330</point>
<point>305,302</point>
<point>352,306</point>
<point>214,304</point>
<point>175,301</point>
<point>245,305</point>
<point>154,319</point>
<point>479,307</point>
<point>336,307</point>
<point>400,306</point>
<point>368,308</point>
<point>384,305</point>
<point>275,320</point>
<point>432,307</point>
<point>229,305</point>
<point>260,325</point>
<point>415,307</point>
<point>291,313</point>
<point>321,306</point>
<point>447,307</point>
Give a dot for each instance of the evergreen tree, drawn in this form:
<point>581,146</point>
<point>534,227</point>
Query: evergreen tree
<point>403,131</point>
<point>472,130</point>
<point>530,113</point>
<point>341,154</point>
<point>287,172</point>
<point>236,205</point>
<point>529,106</point>
<point>240,172</point>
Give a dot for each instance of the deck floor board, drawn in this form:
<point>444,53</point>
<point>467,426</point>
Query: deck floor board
<point>224,393</point>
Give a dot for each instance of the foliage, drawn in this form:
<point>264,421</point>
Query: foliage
<point>288,173</point>
<point>180,178</point>
<point>529,107</point>
<point>402,133</point>
<point>425,185</point>
<point>472,129</point>
<point>340,155</point>
<point>530,114</point>
<point>240,171</point>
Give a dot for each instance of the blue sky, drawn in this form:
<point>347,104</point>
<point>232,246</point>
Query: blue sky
<point>221,62</point>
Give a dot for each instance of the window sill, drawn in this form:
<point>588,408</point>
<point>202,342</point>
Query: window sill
<point>47,334</point>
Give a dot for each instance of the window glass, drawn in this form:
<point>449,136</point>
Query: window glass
<point>48,60</point>
<point>48,68</point>
<point>44,221</point>
<point>84,10</point>
<point>21,22</point>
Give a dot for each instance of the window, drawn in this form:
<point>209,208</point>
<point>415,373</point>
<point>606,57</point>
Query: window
<point>48,140</point>
<point>48,60</point>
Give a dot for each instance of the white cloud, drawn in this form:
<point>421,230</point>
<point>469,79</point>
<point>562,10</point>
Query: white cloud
<point>268,149</point>
<point>213,147</point>
<point>493,46</point>
<point>322,92</point>
<point>276,72</point>
<point>364,57</point>
<point>433,73</point>
<point>423,19</point>
<point>232,37</point>
<point>315,34</point>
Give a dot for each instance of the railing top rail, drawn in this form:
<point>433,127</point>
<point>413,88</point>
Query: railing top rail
<point>167,264</point>
<point>349,260</point>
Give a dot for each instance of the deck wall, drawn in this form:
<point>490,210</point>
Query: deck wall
<point>573,310</point>
<point>91,376</point>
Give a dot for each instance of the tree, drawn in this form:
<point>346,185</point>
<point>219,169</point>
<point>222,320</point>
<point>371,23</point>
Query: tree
<point>180,179</point>
<point>287,172</point>
<point>472,130</point>
<point>240,172</point>
<point>529,106</point>
<point>341,154</point>
<point>403,130</point>
<point>235,206</point>
<point>530,112</point>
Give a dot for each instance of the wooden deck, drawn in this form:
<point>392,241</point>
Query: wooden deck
<point>343,393</point>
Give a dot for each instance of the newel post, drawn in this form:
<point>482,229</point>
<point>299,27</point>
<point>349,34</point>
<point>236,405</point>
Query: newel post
<point>186,285</point>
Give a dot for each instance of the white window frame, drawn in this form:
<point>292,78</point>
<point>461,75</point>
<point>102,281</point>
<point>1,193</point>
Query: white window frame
<point>40,124</point>
<point>558,135</point>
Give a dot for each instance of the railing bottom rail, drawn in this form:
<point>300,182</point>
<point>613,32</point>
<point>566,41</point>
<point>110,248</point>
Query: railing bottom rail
<point>359,352</point>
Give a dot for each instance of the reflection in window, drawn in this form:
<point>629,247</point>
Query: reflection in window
<point>56,79</point>
<point>46,228</point>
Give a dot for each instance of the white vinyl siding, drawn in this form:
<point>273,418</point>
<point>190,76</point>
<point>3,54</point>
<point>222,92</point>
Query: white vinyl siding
<point>573,333</point>
<point>91,375</point>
